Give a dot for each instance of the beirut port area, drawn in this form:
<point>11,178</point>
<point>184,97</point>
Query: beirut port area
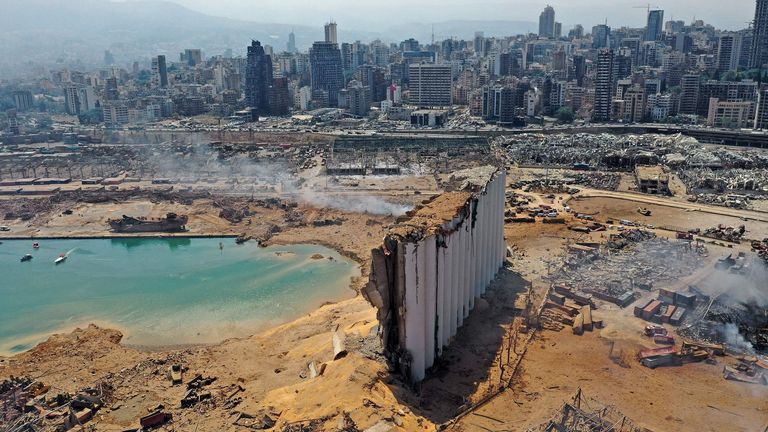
<point>604,282</point>
<point>427,217</point>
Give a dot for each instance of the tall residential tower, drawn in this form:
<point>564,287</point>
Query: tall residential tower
<point>547,22</point>
<point>327,70</point>
<point>258,78</point>
<point>759,56</point>
<point>603,86</point>
<point>654,29</point>
<point>330,33</point>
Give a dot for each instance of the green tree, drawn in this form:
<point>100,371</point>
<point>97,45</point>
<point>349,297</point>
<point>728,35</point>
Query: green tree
<point>565,115</point>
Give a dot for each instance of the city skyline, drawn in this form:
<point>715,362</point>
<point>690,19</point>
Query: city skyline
<point>361,15</point>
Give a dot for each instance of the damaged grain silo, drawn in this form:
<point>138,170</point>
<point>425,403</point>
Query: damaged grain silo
<point>433,264</point>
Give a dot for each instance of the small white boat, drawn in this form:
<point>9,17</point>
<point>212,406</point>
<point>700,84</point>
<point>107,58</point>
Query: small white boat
<point>60,259</point>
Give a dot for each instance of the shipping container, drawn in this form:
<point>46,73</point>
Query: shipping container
<point>667,315</point>
<point>677,317</point>
<point>640,306</point>
<point>650,310</point>
<point>665,360</point>
<point>655,352</point>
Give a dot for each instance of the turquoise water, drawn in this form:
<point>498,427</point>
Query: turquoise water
<point>162,291</point>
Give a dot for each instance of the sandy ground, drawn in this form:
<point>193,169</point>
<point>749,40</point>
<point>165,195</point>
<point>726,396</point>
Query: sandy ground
<point>680,218</point>
<point>272,366</point>
<point>693,397</point>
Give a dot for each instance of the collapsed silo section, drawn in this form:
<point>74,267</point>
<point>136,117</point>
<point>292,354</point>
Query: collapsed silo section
<point>432,265</point>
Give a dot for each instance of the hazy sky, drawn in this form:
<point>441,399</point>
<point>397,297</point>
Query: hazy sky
<point>358,14</point>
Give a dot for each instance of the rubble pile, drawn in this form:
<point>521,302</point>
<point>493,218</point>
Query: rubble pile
<point>632,260</point>
<point>598,151</point>
<point>603,150</point>
<point>743,327</point>
<point>726,180</point>
<point>30,405</point>
<point>550,185</point>
<point>723,232</point>
<point>627,237</point>
<point>596,180</point>
<point>761,248</point>
<point>705,171</point>
<point>583,414</point>
<point>558,183</point>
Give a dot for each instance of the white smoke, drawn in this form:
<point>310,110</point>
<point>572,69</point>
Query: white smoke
<point>735,340</point>
<point>203,162</point>
<point>353,203</point>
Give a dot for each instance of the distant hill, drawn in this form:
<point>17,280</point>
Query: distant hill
<point>72,30</point>
<point>462,29</point>
<point>76,32</point>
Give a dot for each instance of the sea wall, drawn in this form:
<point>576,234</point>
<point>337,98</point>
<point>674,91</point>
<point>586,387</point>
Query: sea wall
<point>432,266</point>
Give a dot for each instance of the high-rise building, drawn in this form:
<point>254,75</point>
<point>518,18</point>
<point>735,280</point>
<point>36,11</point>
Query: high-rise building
<point>547,22</point>
<point>557,96</point>
<point>327,70</point>
<point>430,84</point>
<point>761,112</point>
<point>23,100</point>
<point>672,27</point>
<point>689,94</point>
<point>759,55</point>
<point>734,115</point>
<point>258,78</point>
<point>622,66</point>
<point>374,78</point>
<point>603,85</point>
<point>413,45</point>
<point>577,32</point>
<point>492,101</point>
<point>13,122</point>
<point>728,52</point>
<point>558,59</point>
<point>159,72</point>
<point>291,48</point>
<point>109,59</point>
<point>192,57</point>
<point>746,47</point>
<point>111,91</point>
<point>558,30</point>
<point>655,26</point>
<point>634,104</point>
<point>79,99</point>
<point>71,101</point>
<point>727,91</point>
<point>279,97</point>
<point>601,34</point>
<point>358,98</point>
<point>579,68</point>
<point>330,33</point>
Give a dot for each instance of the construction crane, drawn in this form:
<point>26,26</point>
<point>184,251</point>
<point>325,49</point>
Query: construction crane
<point>647,8</point>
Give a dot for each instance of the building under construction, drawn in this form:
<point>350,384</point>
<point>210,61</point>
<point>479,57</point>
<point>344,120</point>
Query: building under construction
<point>433,264</point>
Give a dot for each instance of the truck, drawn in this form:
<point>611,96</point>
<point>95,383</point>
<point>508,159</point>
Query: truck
<point>653,330</point>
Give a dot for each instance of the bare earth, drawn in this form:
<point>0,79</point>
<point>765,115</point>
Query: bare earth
<point>539,370</point>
